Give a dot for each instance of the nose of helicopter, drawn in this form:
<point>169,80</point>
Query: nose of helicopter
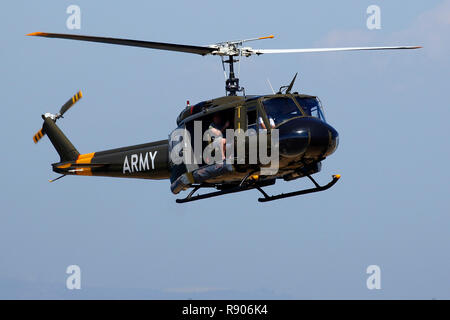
<point>308,137</point>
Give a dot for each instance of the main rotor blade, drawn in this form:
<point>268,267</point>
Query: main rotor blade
<point>263,51</point>
<point>128,42</point>
<point>66,106</point>
<point>247,40</point>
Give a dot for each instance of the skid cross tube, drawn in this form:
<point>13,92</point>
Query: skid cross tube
<point>212,194</point>
<point>239,187</point>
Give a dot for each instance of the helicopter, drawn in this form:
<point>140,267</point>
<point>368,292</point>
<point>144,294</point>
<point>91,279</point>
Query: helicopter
<point>304,139</point>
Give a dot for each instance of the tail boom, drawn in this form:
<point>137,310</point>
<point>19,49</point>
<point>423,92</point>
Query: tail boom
<point>145,161</point>
<point>62,144</point>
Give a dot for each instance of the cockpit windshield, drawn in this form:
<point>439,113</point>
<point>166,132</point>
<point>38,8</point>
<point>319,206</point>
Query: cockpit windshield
<point>311,106</point>
<point>281,109</point>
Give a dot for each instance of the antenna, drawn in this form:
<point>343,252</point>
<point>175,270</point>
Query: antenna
<point>288,90</point>
<point>273,91</point>
<point>289,87</point>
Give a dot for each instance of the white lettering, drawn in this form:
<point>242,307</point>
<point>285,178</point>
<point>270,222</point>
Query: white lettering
<point>134,162</point>
<point>139,162</point>
<point>143,162</point>
<point>152,158</point>
<point>199,310</point>
<point>126,165</point>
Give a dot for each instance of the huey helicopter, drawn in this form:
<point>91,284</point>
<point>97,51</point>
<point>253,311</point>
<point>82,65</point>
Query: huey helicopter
<point>305,139</point>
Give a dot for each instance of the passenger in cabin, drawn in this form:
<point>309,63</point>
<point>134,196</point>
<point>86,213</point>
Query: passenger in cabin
<point>263,126</point>
<point>217,128</point>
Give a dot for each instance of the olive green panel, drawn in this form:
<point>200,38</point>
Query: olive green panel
<point>63,146</point>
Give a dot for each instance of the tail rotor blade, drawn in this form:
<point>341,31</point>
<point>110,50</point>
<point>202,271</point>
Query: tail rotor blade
<point>54,117</point>
<point>70,102</point>
<point>38,136</point>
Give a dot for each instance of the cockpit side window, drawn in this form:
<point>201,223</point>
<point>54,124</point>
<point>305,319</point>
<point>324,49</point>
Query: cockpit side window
<point>251,119</point>
<point>311,107</point>
<point>279,110</point>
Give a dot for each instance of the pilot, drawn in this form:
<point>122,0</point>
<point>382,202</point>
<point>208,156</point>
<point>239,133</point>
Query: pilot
<point>217,129</point>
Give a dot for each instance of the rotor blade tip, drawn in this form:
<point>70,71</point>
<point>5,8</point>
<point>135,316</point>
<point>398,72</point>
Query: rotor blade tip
<point>35,34</point>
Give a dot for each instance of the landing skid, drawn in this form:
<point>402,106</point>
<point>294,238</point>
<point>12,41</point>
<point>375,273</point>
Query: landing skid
<point>266,198</point>
<point>318,188</point>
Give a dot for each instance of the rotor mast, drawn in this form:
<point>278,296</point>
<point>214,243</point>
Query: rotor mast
<point>231,49</point>
<point>231,83</point>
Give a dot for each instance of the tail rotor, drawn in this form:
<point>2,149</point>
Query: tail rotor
<point>65,107</point>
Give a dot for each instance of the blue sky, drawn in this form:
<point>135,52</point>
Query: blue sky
<point>132,240</point>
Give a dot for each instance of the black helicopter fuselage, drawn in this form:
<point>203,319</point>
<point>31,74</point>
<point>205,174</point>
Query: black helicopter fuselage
<point>305,139</point>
